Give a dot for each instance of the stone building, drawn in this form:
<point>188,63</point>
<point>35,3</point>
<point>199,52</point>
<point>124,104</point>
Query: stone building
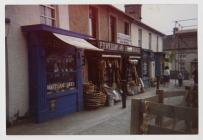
<point>181,52</point>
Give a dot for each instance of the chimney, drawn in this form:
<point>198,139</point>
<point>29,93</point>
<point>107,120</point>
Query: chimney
<point>134,10</point>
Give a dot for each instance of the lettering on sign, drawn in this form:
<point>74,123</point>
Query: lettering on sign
<point>118,47</point>
<point>110,46</point>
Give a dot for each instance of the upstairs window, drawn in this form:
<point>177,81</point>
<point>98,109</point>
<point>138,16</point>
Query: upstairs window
<point>126,28</point>
<point>140,38</point>
<point>150,41</point>
<point>48,15</point>
<point>92,22</point>
<point>113,29</point>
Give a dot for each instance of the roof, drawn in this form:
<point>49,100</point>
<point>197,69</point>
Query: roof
<point>148,27</point>
<point>186,31</point>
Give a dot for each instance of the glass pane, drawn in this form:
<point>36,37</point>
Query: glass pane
<point>48,12</point>
<point>61,73</point>
<point>53,13</point>
<point>42,10</point>
<point>48,21</point>
<point>43,20</point>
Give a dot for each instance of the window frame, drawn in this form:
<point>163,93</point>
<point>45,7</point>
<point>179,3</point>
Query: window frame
<point>139,37</point>
<point>114,39</point>
<point>45,16</point>
<point>127,28</point>
<point>93,17</point>
<point>150,41</point>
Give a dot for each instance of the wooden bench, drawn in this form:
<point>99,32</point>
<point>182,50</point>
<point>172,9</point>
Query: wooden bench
<point>141,109</point>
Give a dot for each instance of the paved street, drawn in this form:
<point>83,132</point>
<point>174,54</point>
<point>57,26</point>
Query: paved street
<point>107,120</point>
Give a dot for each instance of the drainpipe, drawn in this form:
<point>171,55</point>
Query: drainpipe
<point>7,23</point>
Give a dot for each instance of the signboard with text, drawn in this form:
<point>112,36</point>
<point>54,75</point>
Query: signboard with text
<point>118,47</point>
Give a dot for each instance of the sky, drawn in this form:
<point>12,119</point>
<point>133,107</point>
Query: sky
<point>162,17</point>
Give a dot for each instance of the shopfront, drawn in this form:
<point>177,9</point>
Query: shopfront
<point>159,57</point>
<point>148,67</point>
<point>106,67</point>
<point>55,71</point>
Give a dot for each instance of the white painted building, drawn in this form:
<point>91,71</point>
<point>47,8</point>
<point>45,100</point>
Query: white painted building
<point>140,36</point>
<point>146,37</point>
<point>17,94</point>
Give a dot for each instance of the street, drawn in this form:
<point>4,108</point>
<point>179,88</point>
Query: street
<point>103,121</point>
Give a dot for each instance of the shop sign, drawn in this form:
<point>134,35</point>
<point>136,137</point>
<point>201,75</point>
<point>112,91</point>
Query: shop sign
<point>118,47</point>
<point>111,46</point>
<point>123,39</point>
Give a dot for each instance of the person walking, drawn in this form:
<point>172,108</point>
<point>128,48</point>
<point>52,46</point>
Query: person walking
<point>195,76</point>
<point>166,76</point>
<point>180,79</point>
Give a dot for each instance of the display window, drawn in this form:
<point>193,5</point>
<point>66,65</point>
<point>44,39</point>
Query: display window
<point>61,69</point>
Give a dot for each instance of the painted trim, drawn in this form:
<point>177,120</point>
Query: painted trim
<point>43,27</point>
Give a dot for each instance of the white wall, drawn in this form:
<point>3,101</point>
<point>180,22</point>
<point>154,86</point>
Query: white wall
<point>134,34</point>
<point>63,17</point>
<point>18,57</point>
<point>154,42</point>
<point>145,38</point>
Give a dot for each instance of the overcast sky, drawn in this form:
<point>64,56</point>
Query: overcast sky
<point>162,17</point>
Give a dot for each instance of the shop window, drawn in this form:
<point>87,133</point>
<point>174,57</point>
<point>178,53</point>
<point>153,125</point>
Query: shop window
<point>48,15</point>
<point>61,71</point>
<point>112,29</point>
<point>140,38</point>
<point>111,71</point>
<point>92,22</point>
<point>150,41</point>
<point>126,28</point>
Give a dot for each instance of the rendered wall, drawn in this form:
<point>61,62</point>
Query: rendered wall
<point>18,80</point>
<point>63,17</point>
<point>145,38</point>
<point>134,34</point>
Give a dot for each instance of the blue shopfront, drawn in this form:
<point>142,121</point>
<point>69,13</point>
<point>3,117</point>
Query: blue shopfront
<point>151,66</point>
<point>55,71</point>
<point>159,56</point>
<point>147,68</point>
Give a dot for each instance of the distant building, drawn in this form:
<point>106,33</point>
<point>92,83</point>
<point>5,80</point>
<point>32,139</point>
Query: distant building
<point>181,51</point>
